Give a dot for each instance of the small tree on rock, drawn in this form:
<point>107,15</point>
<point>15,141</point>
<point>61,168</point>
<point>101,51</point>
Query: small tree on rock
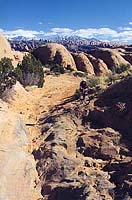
<point>7,78</point>
<point>30,71</point>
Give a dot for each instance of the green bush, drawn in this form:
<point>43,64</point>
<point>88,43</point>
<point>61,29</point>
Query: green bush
<point>93,82</point>
<point>77,94</point>
<point>6,66</point>
<point>7,79</point>
<point>79,74</point>
<point>122,68</point>
<point>112,78</point>
<point>30,71</point>
<point>57,69</point>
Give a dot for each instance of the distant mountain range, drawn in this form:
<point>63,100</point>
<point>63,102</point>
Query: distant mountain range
<point>55,38</point>
<point>72,43</point>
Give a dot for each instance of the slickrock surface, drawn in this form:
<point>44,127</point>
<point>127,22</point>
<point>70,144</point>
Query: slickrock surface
<point>82,63</point>
<point>18,174</point>
<point>55,53</point>
<point>100,68</point>
<point>111,57</point>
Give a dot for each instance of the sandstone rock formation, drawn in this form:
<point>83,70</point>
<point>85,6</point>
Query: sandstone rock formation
<point>86,155</point>
<point>18,56</point>
<point>118,109</point>
<point>111,57</point>
<point>17,166</point>
<point>53,53</point>
<point>65,163</point>
<point>82,151</point>
<point>100,68</point>
<point>6,51</point>
<point>82,63</point>
<point>128,57</point>
<point>17,91</point>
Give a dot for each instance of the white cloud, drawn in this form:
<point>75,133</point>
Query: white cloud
<point>125,28</point>
<point>23,33</point>
<point>130,23</point>
<point>62,30</point>
<point>1,30</point>
<point>122,34</point>
<point>40,23</point>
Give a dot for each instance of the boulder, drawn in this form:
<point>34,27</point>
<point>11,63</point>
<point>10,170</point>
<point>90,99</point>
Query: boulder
<point>82,63</point>
<point>53,53</point>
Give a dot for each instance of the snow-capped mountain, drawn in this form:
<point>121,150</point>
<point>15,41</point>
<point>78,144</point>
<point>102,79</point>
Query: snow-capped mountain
<point>55,38</point>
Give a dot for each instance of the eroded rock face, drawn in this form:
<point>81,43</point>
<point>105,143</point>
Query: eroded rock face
<point>81,157</point>
<point>114,107</point>
<point>17,166</point>
<point>128,57</point>
<point>64,169</point>
<point>53,53</point>
<point>83,64</point>
<point>112,58</point>
<point>100,68</point>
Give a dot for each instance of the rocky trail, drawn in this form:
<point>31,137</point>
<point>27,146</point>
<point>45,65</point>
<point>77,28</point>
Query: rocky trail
<point>54,148</point>
<point>68,149</point>
<point>38,101</point>
<point>18,141</point>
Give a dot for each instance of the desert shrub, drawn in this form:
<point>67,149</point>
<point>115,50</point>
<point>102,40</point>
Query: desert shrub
<point>7,79</point>
<point>79,74</point>
<point>30,71</point>
<point>93,81</point>
<point>112,78</point>
<point>122,68</point>
<point>69,68</point>
<point>57,69</point>
<point>6,66</point>
<point>77,94</point>
<point>47,66</point>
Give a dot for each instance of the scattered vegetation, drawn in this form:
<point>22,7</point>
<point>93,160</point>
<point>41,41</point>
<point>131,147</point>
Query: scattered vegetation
<point>122,68</point>
<point>77,94</point>
<point>7,78</point>
<point>79,74</point>
<point>93,81</point>
<point>57,69</point>
<point>30,71</point>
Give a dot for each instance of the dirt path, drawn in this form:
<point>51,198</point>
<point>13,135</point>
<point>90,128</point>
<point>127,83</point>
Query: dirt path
<point>37,101</point>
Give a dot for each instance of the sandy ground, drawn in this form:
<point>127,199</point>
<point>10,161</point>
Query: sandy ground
<point>37,101</point>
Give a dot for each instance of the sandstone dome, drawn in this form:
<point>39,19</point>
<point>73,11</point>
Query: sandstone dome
<point>100,68</point>
<point>111,57</point>
<point>5,49</point>
<point>82,63</point>
<point>55,53</point>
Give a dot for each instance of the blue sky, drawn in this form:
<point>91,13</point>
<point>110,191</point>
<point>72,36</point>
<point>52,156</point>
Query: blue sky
<point>103,19</point>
